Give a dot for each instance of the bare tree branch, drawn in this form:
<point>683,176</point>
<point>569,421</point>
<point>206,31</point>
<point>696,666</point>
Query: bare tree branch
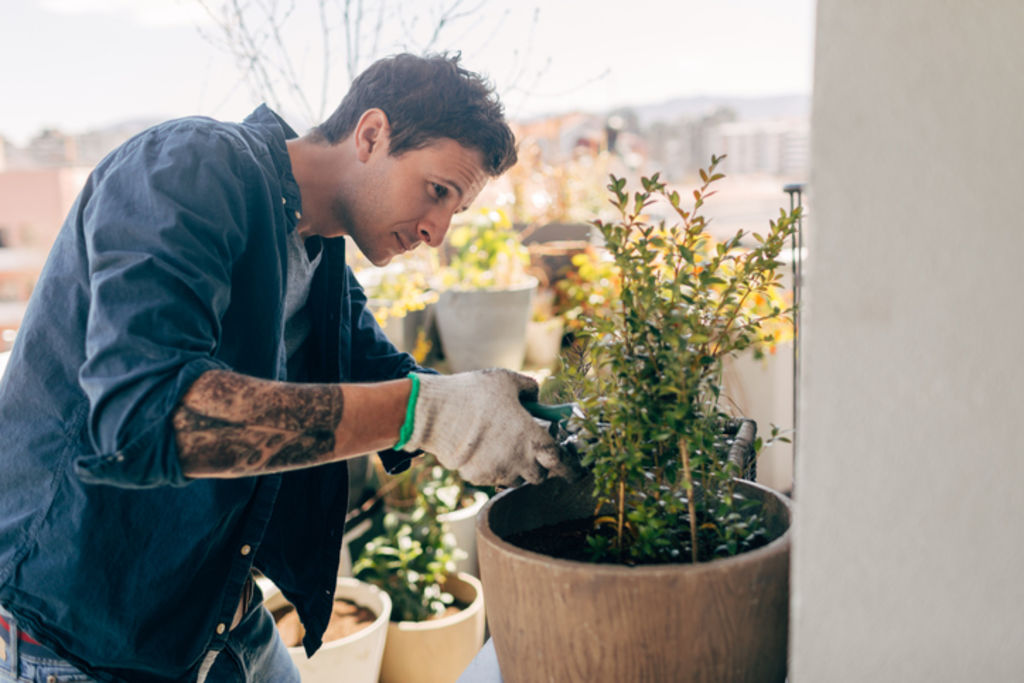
<point>256,34</point>
<point>325,37</point>
<point>450,15</point>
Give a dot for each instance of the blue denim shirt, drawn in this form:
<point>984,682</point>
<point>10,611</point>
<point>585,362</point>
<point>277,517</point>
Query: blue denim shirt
<point>172,262</point>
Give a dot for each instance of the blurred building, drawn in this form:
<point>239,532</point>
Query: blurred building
<point>684,144</point>
<point>779,147</point>
<point>38,185</point>
<point>34,202</point>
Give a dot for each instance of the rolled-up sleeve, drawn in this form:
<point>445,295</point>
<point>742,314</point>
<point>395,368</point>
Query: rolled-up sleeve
<point>162,227</point>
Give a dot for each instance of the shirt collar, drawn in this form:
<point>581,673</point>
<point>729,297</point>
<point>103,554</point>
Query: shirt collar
<point>278,131</point>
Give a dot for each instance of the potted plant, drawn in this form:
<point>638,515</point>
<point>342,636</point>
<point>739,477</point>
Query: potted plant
<point>354,640</point>
<point>455,502</point>
<point>552,196</point>
<point>400,298</point>
<point>682,572</point>
<point>437,618</point>
<point>590,289</point>
<point>486,295</point>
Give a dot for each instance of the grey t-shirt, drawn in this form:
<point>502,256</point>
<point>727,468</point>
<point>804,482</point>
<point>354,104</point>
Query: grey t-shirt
<point>301,266</point>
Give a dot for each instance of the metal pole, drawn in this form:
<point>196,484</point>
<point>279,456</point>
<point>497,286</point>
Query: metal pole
<point>795,192</point>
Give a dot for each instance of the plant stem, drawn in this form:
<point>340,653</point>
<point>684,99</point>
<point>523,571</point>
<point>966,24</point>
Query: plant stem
<point>735,312</point>
<point>691,504</point>
<point>622,508</point>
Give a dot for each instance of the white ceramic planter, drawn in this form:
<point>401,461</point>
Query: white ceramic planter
<point>462,524</point>
<point>484,328</point>
<point>352,659</point>
<point>763,391</point>
<point>439,650</point>
<point>543,342</point>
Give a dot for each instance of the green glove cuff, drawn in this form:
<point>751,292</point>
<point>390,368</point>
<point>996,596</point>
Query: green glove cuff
<point>410,412</point>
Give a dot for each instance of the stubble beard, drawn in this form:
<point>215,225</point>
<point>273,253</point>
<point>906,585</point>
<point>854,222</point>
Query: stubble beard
<point>343,217</point>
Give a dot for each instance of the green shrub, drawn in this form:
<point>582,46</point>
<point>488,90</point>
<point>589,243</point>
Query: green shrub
<point>648,374</point>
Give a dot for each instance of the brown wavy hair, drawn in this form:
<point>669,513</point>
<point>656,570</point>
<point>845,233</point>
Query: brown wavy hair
<point>425,99</point>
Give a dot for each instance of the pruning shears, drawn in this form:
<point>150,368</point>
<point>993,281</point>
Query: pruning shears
<point>555,414</point>
<point>571,438</point>
<point>565,434</point>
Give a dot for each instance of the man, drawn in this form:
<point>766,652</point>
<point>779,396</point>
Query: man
<point>197,362</point>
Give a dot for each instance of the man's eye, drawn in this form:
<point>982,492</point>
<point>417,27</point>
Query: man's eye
<point>440,191</point>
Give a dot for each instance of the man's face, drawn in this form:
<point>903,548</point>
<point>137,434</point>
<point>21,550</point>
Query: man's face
<point>403,200</point>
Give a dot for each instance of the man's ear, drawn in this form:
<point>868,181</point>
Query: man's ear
<point>372,133</point>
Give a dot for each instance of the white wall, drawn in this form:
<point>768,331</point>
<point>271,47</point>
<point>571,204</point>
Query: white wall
<point>909,538</point>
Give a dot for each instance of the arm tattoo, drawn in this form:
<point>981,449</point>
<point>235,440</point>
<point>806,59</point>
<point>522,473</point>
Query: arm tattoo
<point>233,425</point>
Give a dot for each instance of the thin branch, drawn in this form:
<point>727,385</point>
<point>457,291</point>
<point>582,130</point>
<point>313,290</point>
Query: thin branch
<point>378,30</point>
<point>325,38</point>
<point>448,16</point>
<point>286,69</point>
<point>475,28</point>
<point>691,504</point>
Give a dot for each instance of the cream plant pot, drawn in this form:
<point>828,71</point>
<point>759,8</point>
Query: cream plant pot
<point>355,658</point>
<point>438,650</point>
<point>544,342</point>
<point>462,524</point>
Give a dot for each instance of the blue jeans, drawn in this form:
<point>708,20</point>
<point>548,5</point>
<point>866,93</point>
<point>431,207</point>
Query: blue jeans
<point>254,653</point>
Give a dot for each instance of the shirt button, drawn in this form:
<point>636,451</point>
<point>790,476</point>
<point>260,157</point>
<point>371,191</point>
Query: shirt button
<point>298,216</point>
<point>221,628</point>
<point>283,200</point>
<point>246,549</point>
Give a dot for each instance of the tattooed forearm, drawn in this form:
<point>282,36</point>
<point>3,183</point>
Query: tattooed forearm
<point>233,425</point>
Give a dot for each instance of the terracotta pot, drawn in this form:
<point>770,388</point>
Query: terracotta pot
<point>438,650</point>
<point>355,658</point>
<point>555,620</point>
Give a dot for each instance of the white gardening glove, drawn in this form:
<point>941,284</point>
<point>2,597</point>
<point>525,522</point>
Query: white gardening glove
<point>474,423</point>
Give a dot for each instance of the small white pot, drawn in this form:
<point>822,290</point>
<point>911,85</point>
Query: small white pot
<point>462,524</point>
<point>439,650</point>
<point>544,342</point>
<point>355,658</point>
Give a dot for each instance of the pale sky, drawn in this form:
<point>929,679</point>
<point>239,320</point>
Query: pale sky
<point>80,64</point>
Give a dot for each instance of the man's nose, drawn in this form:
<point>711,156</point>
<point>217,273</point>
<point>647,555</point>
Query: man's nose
<point>433,227</point>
